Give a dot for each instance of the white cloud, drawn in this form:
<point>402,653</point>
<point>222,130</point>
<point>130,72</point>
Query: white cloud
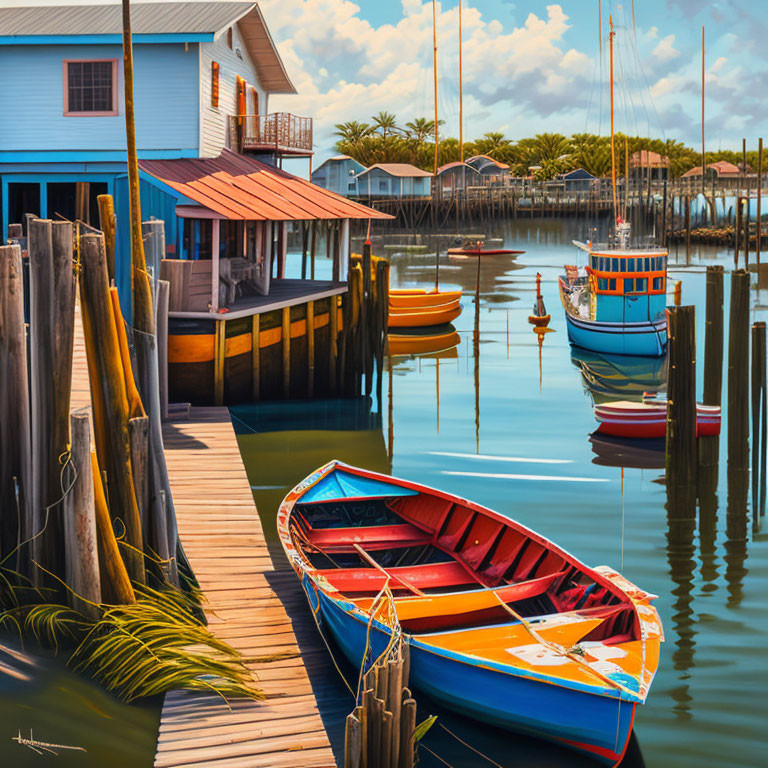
<point>524,68</point>
<point>666,50</point>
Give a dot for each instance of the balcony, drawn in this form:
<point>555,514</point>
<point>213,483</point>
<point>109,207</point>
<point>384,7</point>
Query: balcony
<point>280,133</point>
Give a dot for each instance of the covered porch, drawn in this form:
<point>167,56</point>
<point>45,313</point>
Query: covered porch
<point>239,328</point>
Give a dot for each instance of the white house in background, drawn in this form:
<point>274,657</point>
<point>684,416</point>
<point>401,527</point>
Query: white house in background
<point>394,180</point>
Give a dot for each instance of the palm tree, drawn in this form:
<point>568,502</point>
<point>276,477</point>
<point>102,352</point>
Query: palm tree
<point>385,122</point>
<point>353,131</point>
<point>421,129</point>
<point>551,146</point>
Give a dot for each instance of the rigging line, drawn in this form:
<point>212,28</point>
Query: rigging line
<point>469,746</point>
<point>434,70</point>
<point>621,559</point>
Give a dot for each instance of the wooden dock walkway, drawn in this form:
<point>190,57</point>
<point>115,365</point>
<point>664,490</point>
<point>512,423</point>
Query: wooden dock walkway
<point>222,536</point>
<point>223,539</point>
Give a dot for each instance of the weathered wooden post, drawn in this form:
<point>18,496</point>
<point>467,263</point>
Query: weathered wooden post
<point>759,233</point>
<point>163,299</point>
<point>759,428</point>
<point>738,388</point>
<point>713,339</point>
<point>79,513</point>
<point>108,392</point>
<point>681,407</point>
<point>108,225</point>
<point>737,233</point>
<point>16,523</point>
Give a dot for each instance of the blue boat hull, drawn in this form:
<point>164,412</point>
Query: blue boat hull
<point>648,339</point>
<point>590,723</point>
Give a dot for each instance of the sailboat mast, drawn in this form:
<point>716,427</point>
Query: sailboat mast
<point>702,110</point>
<point>434,70</point>
<point>613,135</point>
<point>461,91</point>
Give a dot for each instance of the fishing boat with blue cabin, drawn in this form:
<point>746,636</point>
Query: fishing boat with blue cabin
<point>502,625</point>
<point>616,303</point>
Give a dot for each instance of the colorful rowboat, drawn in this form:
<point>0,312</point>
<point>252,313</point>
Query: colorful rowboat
<point>415,298</point>
<point>503,625</point>
<point>404,317</point>
<point>623,418</point>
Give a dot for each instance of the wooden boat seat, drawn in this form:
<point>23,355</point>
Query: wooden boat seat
<point>441,612</point>
<point>430,576</point>
<point>372,537</point>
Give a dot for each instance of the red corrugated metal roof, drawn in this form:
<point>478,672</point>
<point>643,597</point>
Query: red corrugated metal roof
<point>238,187</point>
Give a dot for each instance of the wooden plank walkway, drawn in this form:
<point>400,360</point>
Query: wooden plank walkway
<point>223,539</point>
<point>222,536</point>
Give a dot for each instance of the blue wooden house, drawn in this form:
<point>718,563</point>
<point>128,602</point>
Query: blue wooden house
<point>203,75</point>
<point>384,180</point>
<point>339,174</point>
<point>577,180</point>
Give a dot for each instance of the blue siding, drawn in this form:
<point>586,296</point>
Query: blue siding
<point>339,176</point>
<point>166,86</point>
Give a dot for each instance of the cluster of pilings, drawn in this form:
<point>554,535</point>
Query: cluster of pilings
<point>691,462</point>
<point>96,520</point>
<point>380,731</point>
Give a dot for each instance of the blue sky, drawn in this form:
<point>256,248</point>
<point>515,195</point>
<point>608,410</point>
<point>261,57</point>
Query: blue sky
<point>529,66</point>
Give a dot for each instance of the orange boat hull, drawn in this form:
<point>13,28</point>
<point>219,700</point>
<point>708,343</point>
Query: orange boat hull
<point>420,299</point>
<point>424,317</point>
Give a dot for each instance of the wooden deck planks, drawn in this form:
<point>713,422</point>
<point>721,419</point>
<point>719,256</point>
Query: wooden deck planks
<point>222,536</point>
<point>223,539</point>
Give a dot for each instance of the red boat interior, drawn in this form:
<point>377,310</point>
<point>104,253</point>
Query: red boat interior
<point>432,549</point>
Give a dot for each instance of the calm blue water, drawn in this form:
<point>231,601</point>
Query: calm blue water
<point>507,422</point>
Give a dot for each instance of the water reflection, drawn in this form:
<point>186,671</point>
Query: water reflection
<point>619,377</point>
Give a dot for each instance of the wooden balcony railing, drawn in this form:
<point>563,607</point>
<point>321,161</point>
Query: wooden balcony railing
<point>280,132</point>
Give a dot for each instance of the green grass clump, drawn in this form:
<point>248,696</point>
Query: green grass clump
<point>155,645</point>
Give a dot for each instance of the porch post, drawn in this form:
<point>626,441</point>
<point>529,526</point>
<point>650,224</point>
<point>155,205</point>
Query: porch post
<point>344,250</point>
<point>216,227</point>
<point>43,200</point>
<point>283,246</point>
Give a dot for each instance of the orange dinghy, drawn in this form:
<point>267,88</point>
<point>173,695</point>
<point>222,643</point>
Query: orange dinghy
<point>424,316</point>
<point>419,299</point>
<point>502,624</point>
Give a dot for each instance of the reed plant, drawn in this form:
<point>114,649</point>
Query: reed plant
<point>157,644</point>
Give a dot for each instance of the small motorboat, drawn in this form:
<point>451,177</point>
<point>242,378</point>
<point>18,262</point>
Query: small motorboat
<point>421,317</point>
<point>419,298</point>
<point>540,317</point>
<point>623,418</point>
<point>503,625</point>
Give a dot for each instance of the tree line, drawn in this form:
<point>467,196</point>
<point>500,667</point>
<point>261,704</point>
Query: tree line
<point>543,156</point>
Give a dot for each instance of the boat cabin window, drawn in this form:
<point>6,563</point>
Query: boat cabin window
<point>635,285</point>
<point>615,265</point>
<point>658,283</point>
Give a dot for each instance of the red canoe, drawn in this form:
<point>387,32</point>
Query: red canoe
<point>649,419</point>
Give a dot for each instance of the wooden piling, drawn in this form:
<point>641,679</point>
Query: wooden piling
<point>353,742</point>
<point>163,299</point>
<point>738,367</point>
<point>219,349</point>
<point>255,357</point>
<point>713,338</point>
<point>681,406</point>
<point>737,234</point>
<point>312,250</point>
<point>333,325</point>
<point>108,225</point>
<point>110,402</point>
<point>138,434</point>
<point>310,348</point>
<point>407,727</point>
<point>116,585</point>
<point>79,513</point>
<point>286,344</point>
<point>15,447</point>
<point>759,429</point>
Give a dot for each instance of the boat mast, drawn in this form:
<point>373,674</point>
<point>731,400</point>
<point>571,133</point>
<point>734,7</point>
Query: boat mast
<point>702,110</point>
<point>613,136</point>
<point>461,92</point>
<point>434,70</point>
